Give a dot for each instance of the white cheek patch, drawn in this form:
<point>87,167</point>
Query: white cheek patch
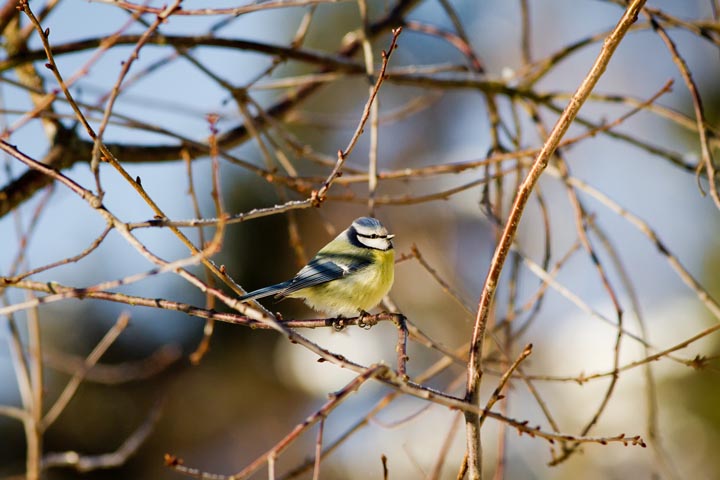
<point>377,243</point>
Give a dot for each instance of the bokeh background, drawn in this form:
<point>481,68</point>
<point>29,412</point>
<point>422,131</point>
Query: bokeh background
<point>253,386</point>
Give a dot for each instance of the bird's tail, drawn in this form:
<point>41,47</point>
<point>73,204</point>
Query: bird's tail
<point>264,292</point>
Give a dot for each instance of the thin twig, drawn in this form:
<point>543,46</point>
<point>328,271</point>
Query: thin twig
<point>708,161</point>
<point>497,393</point>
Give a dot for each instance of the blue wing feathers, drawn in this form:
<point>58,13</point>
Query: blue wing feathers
<point>323,269</point>
<point>314,273</point>
<point>265,292</point>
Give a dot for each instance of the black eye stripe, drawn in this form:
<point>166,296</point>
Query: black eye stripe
<point>358,239</point>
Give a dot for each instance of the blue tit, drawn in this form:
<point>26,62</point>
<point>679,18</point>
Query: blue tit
<point>347,277</point>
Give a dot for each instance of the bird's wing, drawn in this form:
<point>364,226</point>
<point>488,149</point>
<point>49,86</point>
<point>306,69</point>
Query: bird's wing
<point>325,269</point>
<point>265,292</point>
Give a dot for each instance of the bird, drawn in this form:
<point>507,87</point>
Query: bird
<point>347,277</point>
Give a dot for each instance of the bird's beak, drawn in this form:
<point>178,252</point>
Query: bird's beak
<point>390,237</point>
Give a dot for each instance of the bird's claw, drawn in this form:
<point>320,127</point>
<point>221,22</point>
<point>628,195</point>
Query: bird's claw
<point>338,324</point>
<point>366,320</point>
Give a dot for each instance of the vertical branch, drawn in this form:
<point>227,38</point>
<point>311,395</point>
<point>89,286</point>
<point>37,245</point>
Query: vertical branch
<point>401,347</point>
<point>318,450</point>
<point>526,32</point>
<point>34,453</point>
<point>474,370</point>
<point>271,466</point>
<point>209,326</point>
<point>374,110</point>
<point>24,382</point>
<point>204,344</point>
